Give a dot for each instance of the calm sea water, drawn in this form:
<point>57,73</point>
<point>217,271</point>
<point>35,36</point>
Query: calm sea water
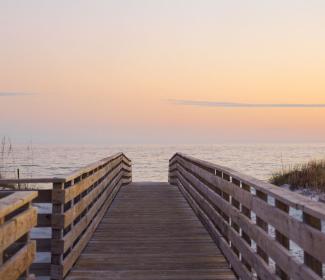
<point>150,162</point>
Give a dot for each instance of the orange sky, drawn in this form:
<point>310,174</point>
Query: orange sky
<point>103,71</point>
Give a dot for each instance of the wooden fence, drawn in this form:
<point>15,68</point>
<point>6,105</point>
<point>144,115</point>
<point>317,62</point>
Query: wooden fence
<point>71,210</point>
<point>17,218</point>
<point>257,225</point>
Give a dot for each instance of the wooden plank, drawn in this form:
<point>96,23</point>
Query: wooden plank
<point>228,232</point>
<point>245,210</point>
<point>68,177</point>
<point>60,246</point>
<point>263,225</point>
<point>30,181</point>
<point>63,220</point>
<point>65,195</point>
<point>58,272</point>
<point>240,270</point>
<point>14,201</point>
<point>283,240</point>
<point>305,236</point>
<point>57,233</point>
<point>16,227</point>
<point>44,195</point>
<point>292,199</point>
<point>150,232</point>
<point>276,251</point>
<point>19,263</point>
<point>91,167</point>
<point>309,258</point>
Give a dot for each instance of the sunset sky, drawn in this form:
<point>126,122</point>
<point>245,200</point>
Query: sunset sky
<point>135,71</point>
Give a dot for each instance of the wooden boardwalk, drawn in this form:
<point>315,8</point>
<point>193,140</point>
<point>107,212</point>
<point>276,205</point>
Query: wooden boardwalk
<point>151,232</point>
<point>102,226</point>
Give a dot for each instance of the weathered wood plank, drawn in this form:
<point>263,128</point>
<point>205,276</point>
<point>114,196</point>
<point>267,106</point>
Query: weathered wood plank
<point>16,227</point>
<point>65,195</point>
<point>231,219</point>
<point>60,246</point>
<point>65,219</point>
<point>149,229</point>
<point>19,263</point>
<point>217,237</point>
<point>94,166</point>
<point>75,253</point>
<point>292,199</point>
<point>12,202</point>
<point>307,237</point>
<point>231,234</point>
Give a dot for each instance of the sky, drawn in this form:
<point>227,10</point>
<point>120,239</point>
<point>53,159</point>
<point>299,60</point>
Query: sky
<point>162,72</point>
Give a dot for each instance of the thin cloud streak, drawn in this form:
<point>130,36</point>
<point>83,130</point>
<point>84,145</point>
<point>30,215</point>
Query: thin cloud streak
<point>242,105</point>
<point>11,94</point>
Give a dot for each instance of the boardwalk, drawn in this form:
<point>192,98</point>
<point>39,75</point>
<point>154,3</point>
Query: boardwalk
<point>101,225</point>
<point>150,232</point>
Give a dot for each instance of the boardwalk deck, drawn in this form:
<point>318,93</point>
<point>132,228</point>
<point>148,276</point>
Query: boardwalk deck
<point>150,232</point>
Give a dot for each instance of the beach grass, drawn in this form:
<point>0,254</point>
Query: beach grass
<point>309,175</point>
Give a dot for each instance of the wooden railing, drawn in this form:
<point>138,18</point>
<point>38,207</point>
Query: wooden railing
<point>17,218</point>
<point>79,203</point>
<point>259,227</point>
<point>71,210</point>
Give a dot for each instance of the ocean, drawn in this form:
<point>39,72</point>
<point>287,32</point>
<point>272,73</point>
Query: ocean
<point>150,162</point>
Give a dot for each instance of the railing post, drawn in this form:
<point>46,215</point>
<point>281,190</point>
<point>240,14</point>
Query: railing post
<point>230,204</point>
<point>245,236</point>
<point>263,225</point>
<point>226,197</point>
<point>309,260</point>
<point>282,239</point>
<point>57,234</point>
<point>236,204</point>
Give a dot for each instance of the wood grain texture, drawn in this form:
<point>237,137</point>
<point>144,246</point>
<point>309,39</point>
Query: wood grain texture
<point>19,263</point>
<point>225,203</point>
<point>17,218</point>
<point>292,199</point>
<point>151,232</point>
<point>14,201</point>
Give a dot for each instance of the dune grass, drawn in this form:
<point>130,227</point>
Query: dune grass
<point>309,175</point>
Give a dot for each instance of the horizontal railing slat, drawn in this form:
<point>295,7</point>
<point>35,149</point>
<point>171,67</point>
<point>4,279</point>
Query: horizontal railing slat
<point>72,209</point>
<point>17,219</point>
<point>63,220</point>
<point>79,205</point>
<point>61,246</point>
<point>19,263</point>
<point>220,241</point>
<point>290,198</point>
<point>266,242</point>
<point>304,235</point>
<point>229,232</point>
<point>16,227</point>
<point>228,200</point>
<point>14,201</point>
<point>65,195</point>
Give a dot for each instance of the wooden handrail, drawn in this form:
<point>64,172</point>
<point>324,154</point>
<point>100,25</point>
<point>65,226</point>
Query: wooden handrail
<point>72,209</point>
<point>17,218</point>
<point>78,206</point>
<point>252,220</point>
